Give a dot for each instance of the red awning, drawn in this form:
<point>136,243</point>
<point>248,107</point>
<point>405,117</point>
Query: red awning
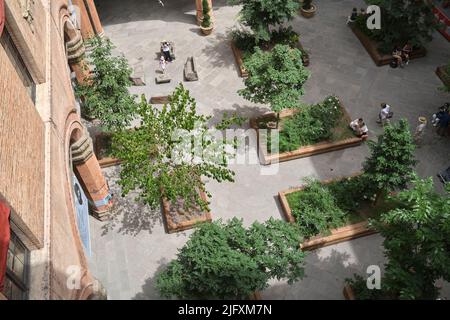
<point>2,15</point>
<point>4,240</point>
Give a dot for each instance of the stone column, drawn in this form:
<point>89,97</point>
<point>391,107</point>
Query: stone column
<point>91,177</point>
<point>90,22</point>
<point>199,6</point>
<point>75,56</point>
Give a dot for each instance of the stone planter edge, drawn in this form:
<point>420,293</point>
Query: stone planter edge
<point>345,233</point>
<point>305,151</point>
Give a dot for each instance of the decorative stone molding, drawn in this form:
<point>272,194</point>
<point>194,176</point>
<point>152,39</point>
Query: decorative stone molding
<point>75,49</point>
<point>82,150</point>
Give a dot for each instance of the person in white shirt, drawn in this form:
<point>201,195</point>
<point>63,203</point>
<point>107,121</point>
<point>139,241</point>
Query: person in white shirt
<point>359,127</point>
<point>385,113</point>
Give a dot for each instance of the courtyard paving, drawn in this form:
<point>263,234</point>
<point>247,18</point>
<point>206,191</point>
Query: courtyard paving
<point>128,251</point>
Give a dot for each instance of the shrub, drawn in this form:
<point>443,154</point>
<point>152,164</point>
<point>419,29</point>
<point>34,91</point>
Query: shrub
<point>315,209</point>
<point>402,21</point>
<point>229,261</point>
<point>276,78</point>
<point>286,36</point>
<point>391,162</point>
<point>350,192</point>
<point>310,125</point>
<point>105,92</point>
<point>244,40</point>
<point>206,21</point>
<point>360,290</point>
<point>260,15</point>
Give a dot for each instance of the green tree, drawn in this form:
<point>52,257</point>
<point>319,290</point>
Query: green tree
<point>259,15</point>
<point>391,161</point>
<point>170,151</point>
<point>228,261</point>
<point>275,78</point>
<point>105,92</point>
<point>402,21</point>
<point>416,243</point>
<point>206,21</point>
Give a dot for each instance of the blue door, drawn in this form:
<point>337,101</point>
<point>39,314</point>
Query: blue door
<point>82,209</point>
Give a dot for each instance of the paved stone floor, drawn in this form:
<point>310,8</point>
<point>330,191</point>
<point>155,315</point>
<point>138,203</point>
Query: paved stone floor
<point>131,249</point>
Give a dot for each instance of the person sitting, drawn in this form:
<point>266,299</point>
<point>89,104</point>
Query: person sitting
<point>406,52</point>
<point>397,54</point>
<point>166,51</point>
<point>359,127</point>
<point>353,16</point>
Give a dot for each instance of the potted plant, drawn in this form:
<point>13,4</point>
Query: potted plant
<point>206,25</point>
<point>308,9</point>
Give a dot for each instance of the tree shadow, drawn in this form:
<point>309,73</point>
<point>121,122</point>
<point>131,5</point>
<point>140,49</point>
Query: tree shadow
<point>244,111</point>
<point>218,50</point>
<point>149,290</point>
<point>325,274</point>
<point>129,216</point>
<point>114,12</point>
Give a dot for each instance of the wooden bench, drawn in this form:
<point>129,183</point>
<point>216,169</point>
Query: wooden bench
<point>190,72</point>
<point>159,100</point>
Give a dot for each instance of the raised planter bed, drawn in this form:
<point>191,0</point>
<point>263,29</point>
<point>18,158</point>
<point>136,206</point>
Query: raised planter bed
<point>178,219</point>
<point>239,57</point>
<point>443,75</point>
<point>102,147</point>
<point>345,233</point>
<point>305,151</point>
<point>379,58</point>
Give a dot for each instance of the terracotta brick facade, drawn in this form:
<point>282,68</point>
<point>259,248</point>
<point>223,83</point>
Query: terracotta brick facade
<point>35,145</point>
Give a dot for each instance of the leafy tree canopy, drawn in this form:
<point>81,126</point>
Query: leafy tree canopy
<point>170,151</point>
<point>391,161</point>
<point>259,15</point>
<point>417,242</point>
<point>275,78</point>
<point>402,21</point>
<point>104,92</point>
<point>229,261</point>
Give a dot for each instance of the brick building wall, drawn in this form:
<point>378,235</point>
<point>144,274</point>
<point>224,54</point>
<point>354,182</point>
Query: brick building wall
<point>35,140</point>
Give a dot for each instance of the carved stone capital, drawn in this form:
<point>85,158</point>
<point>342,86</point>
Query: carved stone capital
<point>75,49</point>
<point>82,150</point>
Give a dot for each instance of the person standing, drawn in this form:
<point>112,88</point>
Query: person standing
<point>420,130</point>
<point>162,64</point>
<point>443,124</point>
<point>384,114</point>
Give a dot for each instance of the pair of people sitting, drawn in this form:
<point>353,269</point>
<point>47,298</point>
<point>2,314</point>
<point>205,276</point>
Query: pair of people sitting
<point>354,15</point>
<point>166,50</point>
<point>359,128</point>
<point>402,55</point>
